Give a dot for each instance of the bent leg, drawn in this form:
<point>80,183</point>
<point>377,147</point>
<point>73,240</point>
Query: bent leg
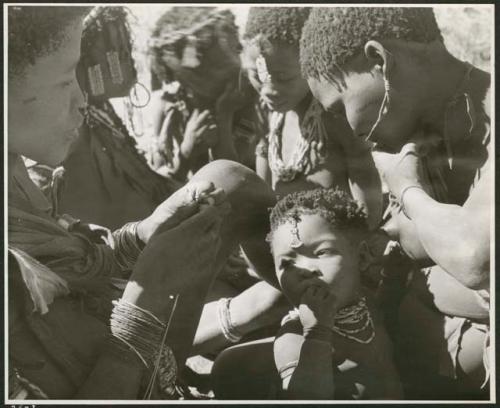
<point>250,199</point>
<point>246,372</point>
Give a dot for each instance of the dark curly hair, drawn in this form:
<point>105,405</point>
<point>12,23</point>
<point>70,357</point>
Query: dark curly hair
<point>334,205</point>
<point>36,31</point>
<point>334,35</point>
<point>182,18</point>
<point>281,24</point>
<point>179,18</point>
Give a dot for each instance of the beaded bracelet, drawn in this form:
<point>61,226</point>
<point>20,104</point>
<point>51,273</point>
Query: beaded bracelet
<point>127,245</point>
<point>401,197</point>
<point>224,318</point>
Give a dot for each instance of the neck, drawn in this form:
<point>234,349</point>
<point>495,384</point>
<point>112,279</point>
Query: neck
<point>445,75</point>
<point>301,108</point>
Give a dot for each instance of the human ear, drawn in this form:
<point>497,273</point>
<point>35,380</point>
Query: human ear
<point>382,59</point>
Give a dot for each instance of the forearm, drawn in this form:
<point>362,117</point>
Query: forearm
<point>451,236</point>
<point>313,376</point>
<point>224,149</point>
<point>256,307</point>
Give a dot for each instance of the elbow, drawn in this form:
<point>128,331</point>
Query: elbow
<point>475,268</point>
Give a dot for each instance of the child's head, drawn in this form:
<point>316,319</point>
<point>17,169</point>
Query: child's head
<point>271,55</point>
<point>347,53</point>
<point>316,235</point>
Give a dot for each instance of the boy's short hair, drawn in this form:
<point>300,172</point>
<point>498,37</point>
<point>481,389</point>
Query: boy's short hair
<point>334,205</point>
<point>281,24</point>
<point>334,35</point>
<point>36,31</point>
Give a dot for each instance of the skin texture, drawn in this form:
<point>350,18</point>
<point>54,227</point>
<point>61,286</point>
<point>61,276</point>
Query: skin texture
<point>318,278</point>
<point>325,256</point>
<point>454,236</point>
<point>183,241</point>
<point>48,94</point>
<point>349,166</point>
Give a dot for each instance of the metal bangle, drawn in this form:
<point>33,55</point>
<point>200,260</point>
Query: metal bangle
<point>401,198</point>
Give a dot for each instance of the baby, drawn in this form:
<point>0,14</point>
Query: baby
<point>332,345</point>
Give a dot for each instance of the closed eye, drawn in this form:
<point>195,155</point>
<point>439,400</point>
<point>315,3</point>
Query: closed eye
<point>323,252</point>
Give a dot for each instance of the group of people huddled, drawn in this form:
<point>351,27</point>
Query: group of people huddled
<point>313,214</point>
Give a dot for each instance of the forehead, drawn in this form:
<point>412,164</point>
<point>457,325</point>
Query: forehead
<point>327,93</point>
<point>276,55</point>
<point>311,228</point>
<point>55,65</point>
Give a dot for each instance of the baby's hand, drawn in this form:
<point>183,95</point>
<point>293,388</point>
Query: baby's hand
<point>317,306</point>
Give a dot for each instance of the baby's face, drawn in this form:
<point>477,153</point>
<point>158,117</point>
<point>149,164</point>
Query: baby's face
<point>327,253</point>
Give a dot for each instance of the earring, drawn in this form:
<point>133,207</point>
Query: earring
<point>296,242</point>
<point>384,107</point>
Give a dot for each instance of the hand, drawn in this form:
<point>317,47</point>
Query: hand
<point>174,258</point>
<point>400,170</point>
<point>181,205</point>
<point>200,131</point>
<point>318,306</point>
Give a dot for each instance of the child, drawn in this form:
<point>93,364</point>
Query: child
<point>401,88</point>
<point>204,108</point>
<point>304,147</point>
<point>332,345</point>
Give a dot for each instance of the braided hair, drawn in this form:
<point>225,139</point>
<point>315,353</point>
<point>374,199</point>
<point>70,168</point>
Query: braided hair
<point>334,35</point>
<point>100,16</point>
<point>334,205</point>
<point>278,24</point>
<point>36,31</point>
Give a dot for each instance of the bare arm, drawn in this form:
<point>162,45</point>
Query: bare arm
<point>456,238</point>
<point>258,306</point>
<point>311,377</point>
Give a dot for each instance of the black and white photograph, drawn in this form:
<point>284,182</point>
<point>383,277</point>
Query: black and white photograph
<point>249,203</point>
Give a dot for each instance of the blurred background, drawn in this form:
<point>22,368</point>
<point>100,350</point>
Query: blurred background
<point>467,31</point>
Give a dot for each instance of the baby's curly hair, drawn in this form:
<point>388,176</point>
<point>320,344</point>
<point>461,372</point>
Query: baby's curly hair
<point>36,31</point>
<point>334,205</point>
<point>334,35</point>
<point>281,24</point>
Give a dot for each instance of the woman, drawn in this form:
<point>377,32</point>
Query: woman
<point>62,342</point>
<point>205,105</point>
<point>104,162</point>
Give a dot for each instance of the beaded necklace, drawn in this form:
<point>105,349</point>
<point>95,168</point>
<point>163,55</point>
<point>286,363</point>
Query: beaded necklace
<point>349,317</point>
<point>351,322</point>
<point>309,149</point>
